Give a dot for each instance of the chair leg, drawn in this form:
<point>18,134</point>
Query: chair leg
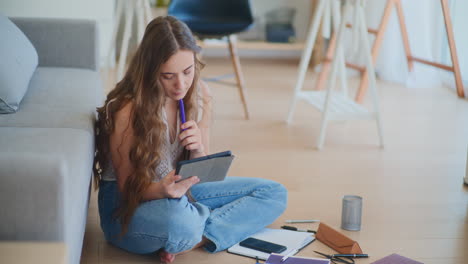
<point>306,54</point>
<point>452,48</point>
<point>111,52</point>
<point>140,17</point>
<point>326,64</point>
<point>239,75</point>
<point>339,25</point>
<point>148,13</point>
<point>375,49</point>
<point>111,60</point>
<point>340,54</point>
<point>126,38</point>
<point>404,33</point>
<point>371,71</point>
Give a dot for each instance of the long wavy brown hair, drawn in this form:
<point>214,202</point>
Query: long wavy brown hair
<point>163,37</point>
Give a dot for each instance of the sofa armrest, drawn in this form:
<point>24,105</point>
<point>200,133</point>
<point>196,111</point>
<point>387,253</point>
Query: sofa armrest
<point>62,42</point>
<point>32,194</point>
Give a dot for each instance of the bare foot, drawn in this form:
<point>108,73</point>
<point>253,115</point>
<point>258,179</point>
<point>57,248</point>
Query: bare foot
<point>166,257</point>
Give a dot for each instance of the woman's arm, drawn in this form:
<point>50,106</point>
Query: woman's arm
<point>168,187</point>
<point>196,135</point>
<point>121,142</point>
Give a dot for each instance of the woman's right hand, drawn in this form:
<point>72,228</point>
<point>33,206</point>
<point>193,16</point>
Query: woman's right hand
<point>173,189</point>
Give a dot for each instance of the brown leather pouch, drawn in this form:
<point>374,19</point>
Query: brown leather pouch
<point>337,241</point>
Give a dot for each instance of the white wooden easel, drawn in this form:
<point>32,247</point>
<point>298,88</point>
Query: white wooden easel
<point>128,8</point>
<point>337,105</point>
<point>379,36</point>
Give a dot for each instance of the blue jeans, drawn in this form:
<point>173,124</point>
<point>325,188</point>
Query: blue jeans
<point>225,212</point>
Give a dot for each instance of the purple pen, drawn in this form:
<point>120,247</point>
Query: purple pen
<point>182,111</point>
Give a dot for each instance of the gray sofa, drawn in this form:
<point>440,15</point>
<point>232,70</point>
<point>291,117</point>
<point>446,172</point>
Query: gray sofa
<point>47,145</point>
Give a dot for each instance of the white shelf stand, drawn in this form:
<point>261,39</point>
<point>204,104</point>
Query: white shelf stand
<point>336,105</point>
<point>127,9</point>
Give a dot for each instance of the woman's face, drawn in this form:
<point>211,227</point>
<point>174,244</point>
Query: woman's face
<point>177,74</point>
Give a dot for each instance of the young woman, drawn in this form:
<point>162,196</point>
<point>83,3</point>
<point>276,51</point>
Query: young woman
<point>139,139</point>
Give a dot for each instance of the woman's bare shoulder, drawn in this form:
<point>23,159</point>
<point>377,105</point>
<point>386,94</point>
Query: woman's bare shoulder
<point>123,117</point>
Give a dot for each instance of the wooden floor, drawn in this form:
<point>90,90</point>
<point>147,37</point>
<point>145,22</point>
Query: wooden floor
<point>414,201</point>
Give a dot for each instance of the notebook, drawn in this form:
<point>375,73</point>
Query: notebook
<point>209,168</point>
<point>396,259</point>
<point>276,259</point>
<point>293,240</point>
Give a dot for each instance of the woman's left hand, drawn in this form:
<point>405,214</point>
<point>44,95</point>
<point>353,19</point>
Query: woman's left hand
<point>191,138</point>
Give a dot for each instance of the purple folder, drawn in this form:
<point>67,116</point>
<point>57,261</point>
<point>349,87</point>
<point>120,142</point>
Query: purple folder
<point>396,259</point>
<point>276,259</point>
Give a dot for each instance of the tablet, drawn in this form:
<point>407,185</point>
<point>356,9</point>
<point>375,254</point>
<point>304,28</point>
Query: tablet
<point>209,168</point>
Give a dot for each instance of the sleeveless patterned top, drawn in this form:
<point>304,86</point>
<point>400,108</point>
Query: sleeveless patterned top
<point>170,153</point>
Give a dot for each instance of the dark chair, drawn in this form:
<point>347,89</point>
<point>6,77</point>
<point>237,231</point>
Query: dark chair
<point>216,19</point>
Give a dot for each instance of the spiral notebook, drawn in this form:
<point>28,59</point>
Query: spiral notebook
<point>293,240</point>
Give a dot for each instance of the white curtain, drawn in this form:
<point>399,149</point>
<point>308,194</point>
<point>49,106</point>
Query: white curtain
<point>427,37</point>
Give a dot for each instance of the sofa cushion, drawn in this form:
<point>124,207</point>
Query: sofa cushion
<point>44,184</point>
<point>17,64</point>
<point>59,98</point>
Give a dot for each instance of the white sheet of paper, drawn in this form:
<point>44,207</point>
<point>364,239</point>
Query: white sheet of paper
<point>291,239</point>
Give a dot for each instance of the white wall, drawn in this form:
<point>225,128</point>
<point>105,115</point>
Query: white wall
<point>101,10</point>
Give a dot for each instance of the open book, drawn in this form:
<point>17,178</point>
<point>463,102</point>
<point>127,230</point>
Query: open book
<point>293,240</point>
